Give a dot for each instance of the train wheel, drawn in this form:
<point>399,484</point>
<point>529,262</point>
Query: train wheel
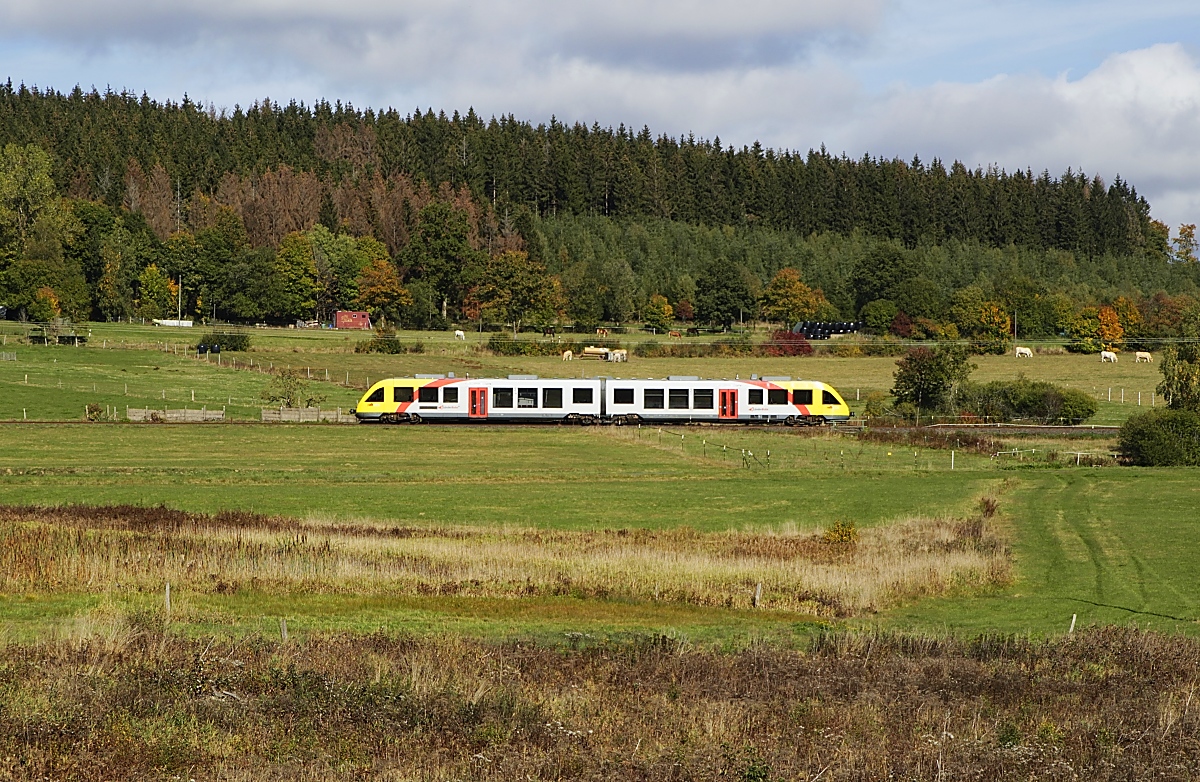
<point>789,421</point>
<point>414,419</point>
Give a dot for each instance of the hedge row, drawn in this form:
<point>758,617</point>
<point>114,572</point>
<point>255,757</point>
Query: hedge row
<point>229,341</point>
<point>1027,400</point>
<point>389,345</point>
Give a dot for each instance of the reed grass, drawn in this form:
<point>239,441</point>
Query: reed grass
<point>102,549</point>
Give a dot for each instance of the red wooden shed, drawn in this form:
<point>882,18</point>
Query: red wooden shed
<point>351,320</point>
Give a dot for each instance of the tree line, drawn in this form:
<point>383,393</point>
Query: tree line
<point>285,164</point>
<point>117,207</point>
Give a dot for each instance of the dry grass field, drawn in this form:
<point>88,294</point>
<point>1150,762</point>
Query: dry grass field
<point>128,702</point>
<point>839,572</point>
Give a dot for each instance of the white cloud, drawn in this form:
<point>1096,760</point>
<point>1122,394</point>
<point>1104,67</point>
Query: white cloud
<point>1137,115</point>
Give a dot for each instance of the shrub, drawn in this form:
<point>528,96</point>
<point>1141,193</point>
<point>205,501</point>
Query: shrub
<point>841,532</point>
<point>235,340</point>
<point>1161,438</point>
<point>785,342</point>
<point>1007,400</point>
<point>380,344</point>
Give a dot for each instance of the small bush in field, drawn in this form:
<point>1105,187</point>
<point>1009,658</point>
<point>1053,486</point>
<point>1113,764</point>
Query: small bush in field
<point>788,343</point>
<point>233,341</point>
<point>1161,438</point>
<point>841,532</point>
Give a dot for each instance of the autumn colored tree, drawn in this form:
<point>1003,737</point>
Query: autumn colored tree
<point>1185,244</point>
<point>787,300</point>
<point>381,292</point>
<point>684,310</point>
<point>659,313</point>
<point>1108,329</point>
<point>45,305</point>
<point>1128,315</point>
<point>995,332</point>
<point>156,293</point>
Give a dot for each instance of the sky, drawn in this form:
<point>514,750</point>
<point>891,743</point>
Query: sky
<point>1110,88</point>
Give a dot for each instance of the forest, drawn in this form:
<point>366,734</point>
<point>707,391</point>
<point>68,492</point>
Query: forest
<point>114,205</point>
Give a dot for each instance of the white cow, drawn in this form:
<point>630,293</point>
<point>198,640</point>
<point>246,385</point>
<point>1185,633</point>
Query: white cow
<point>1108,355</point>
<point>1024,353</point>
<point>568,355</point>
<point>617,355</point>
<point>458,334</point>
<point>1143,356</point>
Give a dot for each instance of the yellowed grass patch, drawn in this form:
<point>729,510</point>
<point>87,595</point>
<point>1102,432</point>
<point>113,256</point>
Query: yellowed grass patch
<point>67,550</point>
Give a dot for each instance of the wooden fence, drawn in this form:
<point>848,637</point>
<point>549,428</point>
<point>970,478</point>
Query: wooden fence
<point>185,416</point>
<point>304,415</point>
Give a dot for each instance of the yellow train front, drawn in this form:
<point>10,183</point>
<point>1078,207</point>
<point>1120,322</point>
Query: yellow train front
<point>674,399</point>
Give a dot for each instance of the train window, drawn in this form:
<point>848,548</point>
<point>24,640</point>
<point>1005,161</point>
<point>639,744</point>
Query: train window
<point>581,396</point>
<point>450,395</point>
<point>756,396</point>
<point>652,399</point>
<point>402,394</point>
<point>502,397</point>
<point>777,396</point>
<point>622,396</point>
<point>527,397</point>
<point>677,399</point>
<point>551,397</point>
<point>829,398</point>
<point>702,399</point>
<point>427,394</point>
<point>802,396</point>
<point>376,395</point>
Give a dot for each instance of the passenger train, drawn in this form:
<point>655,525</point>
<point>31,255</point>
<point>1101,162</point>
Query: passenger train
<point>601,400</point>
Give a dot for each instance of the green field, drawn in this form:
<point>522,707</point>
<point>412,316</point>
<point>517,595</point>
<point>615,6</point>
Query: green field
<point>136,366</point>
<point>462,602</point>
<point>1107,544</point>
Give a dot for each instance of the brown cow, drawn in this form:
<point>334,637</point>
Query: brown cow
<point>602,332</point>
<point>675,335</point>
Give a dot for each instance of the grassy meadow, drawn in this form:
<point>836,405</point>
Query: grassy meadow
<point>567,602</point>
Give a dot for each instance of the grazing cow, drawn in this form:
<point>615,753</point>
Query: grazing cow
<point>675,335</point>
<point>548,332</point>
<point>568,355</point>
<point>1143,356</point>
<point>1024,353</point>
<point>1108,355</point>
<point>458,334</point>
<point>617,355</point>
<point>693,332</point>
<point>602,332</point>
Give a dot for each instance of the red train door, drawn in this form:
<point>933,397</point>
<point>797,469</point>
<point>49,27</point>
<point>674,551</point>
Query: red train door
<point>728,409</point>
<point>478,408</point>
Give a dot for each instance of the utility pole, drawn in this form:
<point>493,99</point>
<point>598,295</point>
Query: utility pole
<point>179,305</point>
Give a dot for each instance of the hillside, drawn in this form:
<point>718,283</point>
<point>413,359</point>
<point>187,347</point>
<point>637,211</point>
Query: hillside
<point>277,213</point>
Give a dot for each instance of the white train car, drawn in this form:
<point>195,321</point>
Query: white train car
<point>688,399</point>
<point>515,398</point>
<point>675,399</point>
